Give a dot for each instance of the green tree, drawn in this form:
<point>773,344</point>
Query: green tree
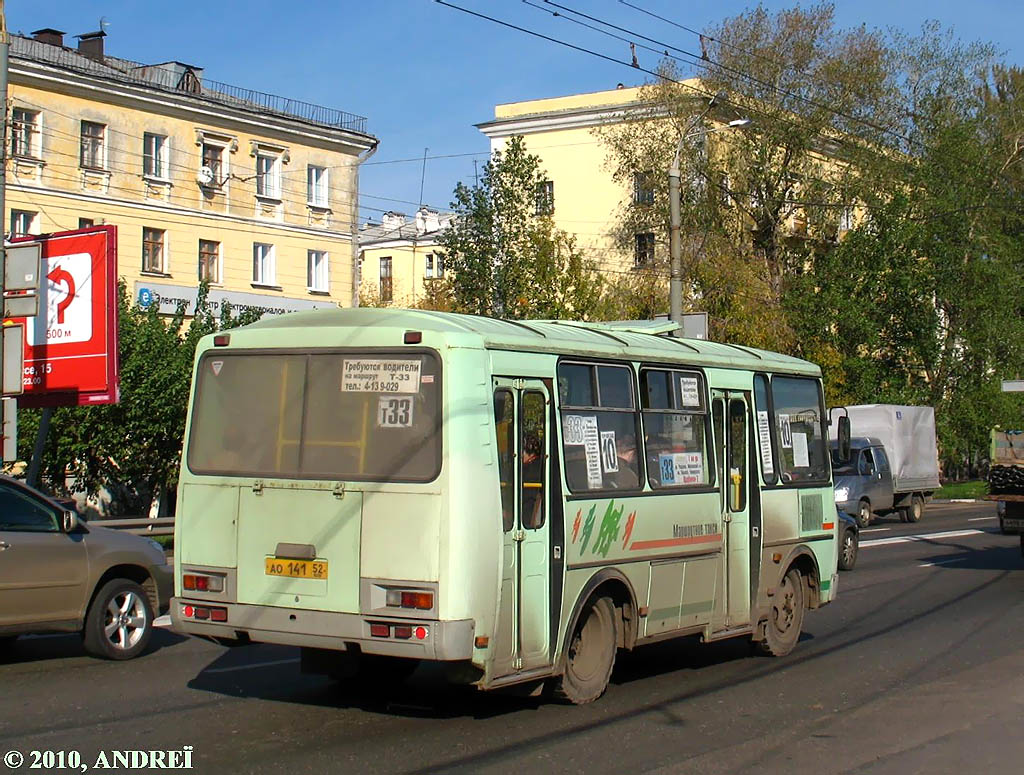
<point>503,254</point>
<point>133,447</point>
<point>757,202</point>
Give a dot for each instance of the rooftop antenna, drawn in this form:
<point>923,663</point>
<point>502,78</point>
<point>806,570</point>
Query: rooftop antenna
<point>423,175</point>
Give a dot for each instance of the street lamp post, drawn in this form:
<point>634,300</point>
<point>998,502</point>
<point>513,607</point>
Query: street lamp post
<point>675,287</point>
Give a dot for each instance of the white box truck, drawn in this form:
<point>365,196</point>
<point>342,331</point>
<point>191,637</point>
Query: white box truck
<point>893,464</point>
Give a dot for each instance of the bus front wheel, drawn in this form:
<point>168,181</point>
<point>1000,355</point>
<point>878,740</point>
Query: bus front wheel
<point>786,617</point>
<point>591,654</point>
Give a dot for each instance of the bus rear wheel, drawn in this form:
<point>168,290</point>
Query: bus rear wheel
<point>786,617</point>
<point>591,654</point>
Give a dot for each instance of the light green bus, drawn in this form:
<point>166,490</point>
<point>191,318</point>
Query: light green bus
<point>516,499</point>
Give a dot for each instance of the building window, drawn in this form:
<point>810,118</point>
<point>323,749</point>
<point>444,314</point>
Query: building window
<point>209,261</point>
<point>316,271</point>
<point>94,146</point>
<point>316,186</point>
<point>263,264</point>
<point>153,252</point>
<point>213,159</point>
<point>644,253</point>
<point>154,155</point>
<point>846,219</point>
<point>23,222</point>
<point>268,175</point>
<point>86,223</point>
<point>544,203</point>
<point>434,267</point>
<point>25,133</point>
<point>643,188</point>
<point>386,289</point>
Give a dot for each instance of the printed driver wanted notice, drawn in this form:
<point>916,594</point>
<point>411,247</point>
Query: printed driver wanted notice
<point>361,375</point>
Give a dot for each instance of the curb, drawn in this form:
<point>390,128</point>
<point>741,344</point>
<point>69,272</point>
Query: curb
<point>959,500</point>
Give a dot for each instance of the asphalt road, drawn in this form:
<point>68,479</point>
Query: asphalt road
<point>917,667</point>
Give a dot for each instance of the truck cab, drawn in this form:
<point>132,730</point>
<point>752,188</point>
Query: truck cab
<point>863,484</point>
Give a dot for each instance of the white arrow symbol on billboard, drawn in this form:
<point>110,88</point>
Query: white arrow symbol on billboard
<point>58,276</point>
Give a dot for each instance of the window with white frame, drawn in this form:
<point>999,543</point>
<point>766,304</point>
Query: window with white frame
<point>263,264</point>
<point>846,219</point>
<point>544,198</point>
<point>434,267</point>
<point>316,186</point>
<point>154,156</point>
<point>428,269</point>
<point>94,146</point>
<point>209,261</point>
<point>25,133</point>
<point>154,253</point>
<point>268,175</point>
<point>317,278</point>
<point>23,222</point>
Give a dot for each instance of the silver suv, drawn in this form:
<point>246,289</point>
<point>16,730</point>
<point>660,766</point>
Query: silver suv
<point>58,574</point>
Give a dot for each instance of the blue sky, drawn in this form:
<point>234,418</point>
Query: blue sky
<point>424,74</point>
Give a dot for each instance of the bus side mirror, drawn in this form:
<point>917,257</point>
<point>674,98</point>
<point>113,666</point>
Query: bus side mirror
<point>843,438</point>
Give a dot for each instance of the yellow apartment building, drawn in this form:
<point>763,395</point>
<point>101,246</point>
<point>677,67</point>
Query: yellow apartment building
<point>583,196</point>
<point>255,193</point>
<point>399,257</point>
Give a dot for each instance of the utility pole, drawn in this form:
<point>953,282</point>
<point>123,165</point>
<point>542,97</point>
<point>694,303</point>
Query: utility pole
<point>675,247</point>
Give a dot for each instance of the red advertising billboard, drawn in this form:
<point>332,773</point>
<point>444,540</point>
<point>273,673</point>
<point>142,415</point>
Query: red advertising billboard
<point>71,345</point>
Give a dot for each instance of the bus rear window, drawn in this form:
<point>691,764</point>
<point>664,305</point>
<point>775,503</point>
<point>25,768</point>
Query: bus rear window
<point>349,416</point>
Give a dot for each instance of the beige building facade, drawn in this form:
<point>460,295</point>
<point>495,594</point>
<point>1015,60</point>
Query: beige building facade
<point>256,194</point>
<point>400,257</point>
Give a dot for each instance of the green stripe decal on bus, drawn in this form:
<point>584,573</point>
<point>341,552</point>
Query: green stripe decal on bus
<point>696,608</point>
<point>826,585</point>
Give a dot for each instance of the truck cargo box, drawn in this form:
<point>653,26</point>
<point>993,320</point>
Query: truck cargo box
<point>908,435</point>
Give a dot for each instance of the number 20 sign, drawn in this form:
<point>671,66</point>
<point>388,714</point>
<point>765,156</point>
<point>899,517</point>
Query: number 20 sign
<point>71,345</point>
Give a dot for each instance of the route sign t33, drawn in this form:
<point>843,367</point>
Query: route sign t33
<point>71,345</point>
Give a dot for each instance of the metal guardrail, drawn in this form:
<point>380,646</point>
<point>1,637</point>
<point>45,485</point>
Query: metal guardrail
<point>159,526</point>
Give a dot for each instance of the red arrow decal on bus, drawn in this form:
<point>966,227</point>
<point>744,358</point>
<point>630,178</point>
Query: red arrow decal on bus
<point>58,276</point>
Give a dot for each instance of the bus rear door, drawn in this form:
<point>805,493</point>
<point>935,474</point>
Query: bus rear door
<point>521,411</point>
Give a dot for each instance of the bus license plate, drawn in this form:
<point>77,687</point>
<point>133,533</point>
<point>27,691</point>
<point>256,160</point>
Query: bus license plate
<point>296,569</point>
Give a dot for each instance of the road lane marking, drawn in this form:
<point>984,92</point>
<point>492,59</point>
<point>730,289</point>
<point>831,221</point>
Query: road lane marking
<point>252,666</point>
<point>162,621</point>
<point>980,519</point>
<point>922,537</point>
<point>875,529</point>
<point>941,562</point>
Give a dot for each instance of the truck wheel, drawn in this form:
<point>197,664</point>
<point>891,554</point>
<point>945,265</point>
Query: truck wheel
<point>864,514</point>
<point>915,510</point>
<point>591,654</point>
<point>786,618</point>
<point>120,621</point>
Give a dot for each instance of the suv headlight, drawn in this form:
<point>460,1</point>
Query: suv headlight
<point>842,494</point>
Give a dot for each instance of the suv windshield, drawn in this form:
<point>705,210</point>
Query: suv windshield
<point>350,416</point>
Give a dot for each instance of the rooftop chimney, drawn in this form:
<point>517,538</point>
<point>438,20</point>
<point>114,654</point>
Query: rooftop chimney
<point>91,45</point>
<point>50,36</point>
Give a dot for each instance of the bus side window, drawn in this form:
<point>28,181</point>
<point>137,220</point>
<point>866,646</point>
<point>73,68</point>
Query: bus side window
<point>504,427</point>
<point>532,459</point>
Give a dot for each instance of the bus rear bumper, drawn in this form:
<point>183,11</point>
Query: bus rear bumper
<point>444,641</point>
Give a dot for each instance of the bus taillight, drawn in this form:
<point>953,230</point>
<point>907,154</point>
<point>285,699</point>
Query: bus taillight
<point>399,598</point>
<point>199,583</point>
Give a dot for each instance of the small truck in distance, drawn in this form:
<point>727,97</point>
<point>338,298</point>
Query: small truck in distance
<point>893,464</point>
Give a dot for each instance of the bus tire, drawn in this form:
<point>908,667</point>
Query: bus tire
<point>590,654</point>
<point>785,617</point>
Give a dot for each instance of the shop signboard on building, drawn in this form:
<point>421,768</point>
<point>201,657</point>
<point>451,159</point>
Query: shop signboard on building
<point>170,297</point>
